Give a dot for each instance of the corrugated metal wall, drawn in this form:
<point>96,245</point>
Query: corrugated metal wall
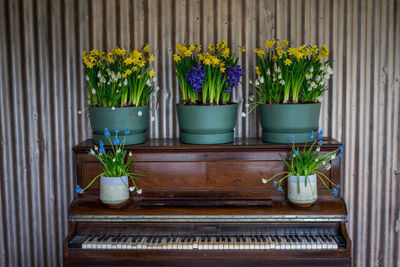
<point>42,88</point>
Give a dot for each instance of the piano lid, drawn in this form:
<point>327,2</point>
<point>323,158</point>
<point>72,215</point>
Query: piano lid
<point>91,210</point>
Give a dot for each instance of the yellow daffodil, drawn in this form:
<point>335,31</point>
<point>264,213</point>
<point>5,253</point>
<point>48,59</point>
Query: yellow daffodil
<point>146,48</point>
<point>110,60</point>
<point>128,72</point>
<point>124,75</point>
<point>207,61</point>
<point>307,75</point>
<point>288,62</point>
<point>128,61</point>
<point>134,68</point>
<point>199,48</point>
<point>177,58</point>
<point>188,53</point>
<point>274,58</point>
<point>285,42</point>
<point>139,76</point>
<point>259,52</point>
<point>192,47</point>
<point>211,48</point>
<point>152,73</point>
<point>151,58</point>
<point>269,44</point>
<point>225,52</point>
<point>258,71</point>
<point>222,69</point>
<point>243,49</point>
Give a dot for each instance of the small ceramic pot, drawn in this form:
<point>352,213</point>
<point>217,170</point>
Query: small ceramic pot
<point>301,193</point>
<point>114,191</point>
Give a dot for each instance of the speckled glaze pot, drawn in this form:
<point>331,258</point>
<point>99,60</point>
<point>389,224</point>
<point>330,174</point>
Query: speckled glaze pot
<point>300,193</point>
<point>114,191</point>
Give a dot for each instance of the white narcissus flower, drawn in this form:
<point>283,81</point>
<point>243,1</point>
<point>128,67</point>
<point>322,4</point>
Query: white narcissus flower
<point>243,114</point>
<point>131,189</point>
<point>261,79</point>
<point>139,113</point>
<point>257,83</point>
<point>264,180</point>
<point>93,91</point>
<point>130,154</point>
<point>139,191</point>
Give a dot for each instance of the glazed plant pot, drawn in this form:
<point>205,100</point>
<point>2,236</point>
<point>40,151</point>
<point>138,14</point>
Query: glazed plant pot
<point>207,124</point>
<point>282,121</point>
<point>300,193</point>
<point>133,118</point>
<point>114,191</point>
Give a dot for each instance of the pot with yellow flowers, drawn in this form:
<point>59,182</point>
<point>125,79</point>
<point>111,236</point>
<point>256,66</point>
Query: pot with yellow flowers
<point>304,167</point>
<point>120,84</point>
<point>206,79</point>
<point>289,87</point>
<point>117,165</point>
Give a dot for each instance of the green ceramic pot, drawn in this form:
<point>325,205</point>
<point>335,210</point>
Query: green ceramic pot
<point>207,124</point>
<point>133,118</point>
<point>282,121</point>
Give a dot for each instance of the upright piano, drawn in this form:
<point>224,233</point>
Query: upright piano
<point>206,205</point>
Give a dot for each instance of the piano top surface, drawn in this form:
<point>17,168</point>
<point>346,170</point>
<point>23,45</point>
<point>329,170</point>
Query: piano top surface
<point>252,143</point>
<point>329,207</point>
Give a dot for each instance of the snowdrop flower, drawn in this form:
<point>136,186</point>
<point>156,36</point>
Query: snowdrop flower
<point>278,70</point>
<point>96,148</point>
<point>148,83</point>
<point>103,80</point>
<point>139,191</point>
<point>118,151</point>
<point>268,72</point>
<point>318,78</point>
<point>131,188</point>
<point>99,75</point>
<point>130,154</point>
<point>261,79</point>
<point>93,91</point>
<point>109,82</point>
<point>117,91</point>
<point>323,163</point>
<point>312,69</point>
<point>279,76</point>
<point>119,84</point>
<point>87,78</point>
<point>119,75</point>
<point>252,98</point>
<point>113,160</point>
<point>328,166</point>
<point>113,108</point>
<point>139,113</point>
<point>282,82</point>
<point>243,114</point>
<point>318,149</point>
<point>264,180</point>
<point>309,89</point>
<point>92,152</point>
<point>247,105</point>
<point>125,82</point>
<point>257,83</point>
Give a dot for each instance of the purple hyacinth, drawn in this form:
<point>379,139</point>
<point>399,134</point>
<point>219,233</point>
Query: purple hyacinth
<point>196,78</point>
<point>233,77</point>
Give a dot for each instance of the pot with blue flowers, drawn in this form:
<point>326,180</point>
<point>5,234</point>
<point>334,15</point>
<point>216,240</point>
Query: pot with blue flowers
<point>206,114</point>
<point>120,84</point>
<point>289,87</point>
<point>117,165</point>
<point>304,168</point>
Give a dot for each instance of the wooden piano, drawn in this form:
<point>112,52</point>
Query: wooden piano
<point>206,205</point>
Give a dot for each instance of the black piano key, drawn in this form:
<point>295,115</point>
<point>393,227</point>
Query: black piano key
<point>76,241</point>
<point>217,238</point>
<point>229,238</point>
<point>203,238</point>
<point>322,238</point>
<point>153,239</point>
<point>340,241</point>
<point>159,239</point>
<point>92,238</point>
<point>208,238</point>
<point>237,238</point>
<point>114,238</point>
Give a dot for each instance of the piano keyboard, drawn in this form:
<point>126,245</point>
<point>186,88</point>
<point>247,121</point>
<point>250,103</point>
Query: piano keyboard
<point>209,242</point>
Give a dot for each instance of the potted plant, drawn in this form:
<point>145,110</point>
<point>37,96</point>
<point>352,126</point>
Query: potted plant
<point>288,89</point>
<point>116,165</point>
<point>304,167</point>
<point>119,86</point>
<point>206,80</point>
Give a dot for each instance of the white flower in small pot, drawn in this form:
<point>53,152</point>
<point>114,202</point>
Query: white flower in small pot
<point>116,164</point>
<point>304,167</point>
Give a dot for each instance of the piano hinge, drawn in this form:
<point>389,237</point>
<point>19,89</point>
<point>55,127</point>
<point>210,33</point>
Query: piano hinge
<point>208,218</point>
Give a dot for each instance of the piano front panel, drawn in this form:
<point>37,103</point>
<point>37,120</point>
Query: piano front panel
<point>213,172</point>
